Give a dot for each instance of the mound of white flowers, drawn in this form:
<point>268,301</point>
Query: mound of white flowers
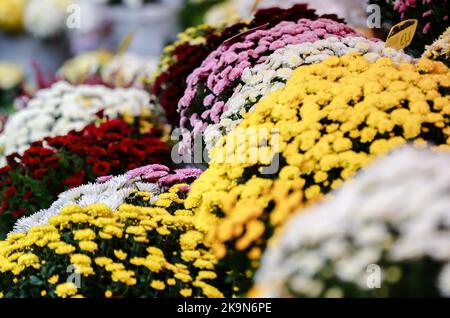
<point>63,107</point>
<point>384,234</point>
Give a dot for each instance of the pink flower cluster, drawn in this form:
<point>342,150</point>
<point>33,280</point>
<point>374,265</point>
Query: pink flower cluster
<point>160,174</point>
<point>210,85</point>
<point>149,172</point>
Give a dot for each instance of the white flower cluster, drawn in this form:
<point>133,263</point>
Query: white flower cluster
<point>129,70</point>
<point>46,18</point>
<point>398,210</point>
<point>263,79</point>
<point>439,50</point>
<point>63,107</point>
<point>111,193</point>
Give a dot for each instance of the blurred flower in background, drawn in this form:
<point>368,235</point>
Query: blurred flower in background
<point>11,80</point>
<point>353,11</point>
<point>432,16</point>
<point>10,75</point>
<point>11,15</point>
<point>82,66</point>
<point>46,18</point>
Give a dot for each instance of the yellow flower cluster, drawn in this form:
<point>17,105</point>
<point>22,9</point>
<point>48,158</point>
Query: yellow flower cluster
<point>331,120</point>
<point>11,15</point>
<point>10,75</point>
<point>158,253</point>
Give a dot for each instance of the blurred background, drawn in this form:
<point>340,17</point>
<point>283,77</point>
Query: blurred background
<point>46,33</point>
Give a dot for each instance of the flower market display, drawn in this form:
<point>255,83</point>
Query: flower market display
<point>33,181</point>
<point>212,84</point>
<point>318,132</point>
<point>439,50</point>
<point>64,107</point>
<point>324,157</point>
<point>270,76</point>
<point>387,216</point>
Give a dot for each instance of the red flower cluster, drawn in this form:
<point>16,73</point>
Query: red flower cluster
<point>170,85</point>
<point>32,181</point>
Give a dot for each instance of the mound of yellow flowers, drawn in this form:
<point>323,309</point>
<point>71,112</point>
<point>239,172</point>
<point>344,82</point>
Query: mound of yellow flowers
<point>141,250</point>
<point>330,120</point>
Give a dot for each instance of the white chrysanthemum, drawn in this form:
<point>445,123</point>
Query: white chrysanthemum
<point>272,75</point>
<point>111,193</point>
<point>64,107</point>
<point>46,18</point>
<point>129,70</point>
<point>395,212</point>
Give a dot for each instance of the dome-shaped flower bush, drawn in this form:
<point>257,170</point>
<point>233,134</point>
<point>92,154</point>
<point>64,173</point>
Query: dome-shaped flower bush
<point>265,78</point>
<point>92,251</point>
<point>195,44</point>
<point>384,234</point>
<point>211,85</point>
<point>302,141</point>
<point>439,50</point>
<point>32,181</point>
<point>63,107</point>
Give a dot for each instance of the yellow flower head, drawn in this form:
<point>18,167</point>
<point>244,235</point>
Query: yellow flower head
<point>66,289</point>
